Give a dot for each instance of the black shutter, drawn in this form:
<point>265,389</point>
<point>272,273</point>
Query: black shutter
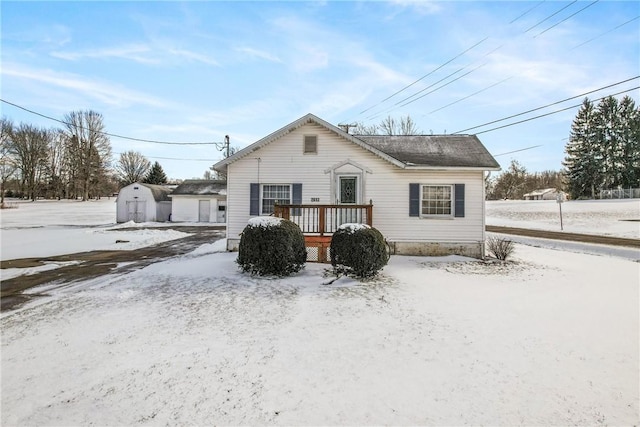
<point>414,199</point>
<point>254,199</point>
<point>459,200</point>
<point>296,198</point>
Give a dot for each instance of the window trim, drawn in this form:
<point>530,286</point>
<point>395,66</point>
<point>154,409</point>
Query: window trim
<point>261,205</point>
<point>451,213</point>
<point>304,145</point>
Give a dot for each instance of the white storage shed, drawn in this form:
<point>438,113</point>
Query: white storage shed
<point>143,203</point>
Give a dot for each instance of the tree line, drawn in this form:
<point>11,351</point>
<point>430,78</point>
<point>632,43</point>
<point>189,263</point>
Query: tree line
<point>603,151</point>
<point>71,162</point>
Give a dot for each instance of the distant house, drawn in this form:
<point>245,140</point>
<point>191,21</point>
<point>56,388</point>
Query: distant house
<point>544,194</point>
<point>425,193</point>
<point>199,201</point>
<point>143,203</point>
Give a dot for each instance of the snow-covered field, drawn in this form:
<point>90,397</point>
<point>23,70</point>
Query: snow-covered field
<point>549,339</point>
<point>619,218</point>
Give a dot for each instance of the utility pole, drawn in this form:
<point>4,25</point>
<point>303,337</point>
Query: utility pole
<point>347,126</point>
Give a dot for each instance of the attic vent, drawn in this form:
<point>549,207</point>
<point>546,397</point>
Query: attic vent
<point>310,144</point>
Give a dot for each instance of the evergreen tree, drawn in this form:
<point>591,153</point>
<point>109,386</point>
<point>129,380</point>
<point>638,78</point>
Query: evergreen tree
<point>156,175</point>
<point>630,135</point>
<point>584,155</point>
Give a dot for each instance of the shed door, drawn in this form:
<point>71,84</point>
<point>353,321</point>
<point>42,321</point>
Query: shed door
<point>204,207</point>
<point>136,210</point>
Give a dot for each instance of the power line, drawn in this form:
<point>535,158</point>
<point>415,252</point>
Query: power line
<point>570,16</point>
<point>548,105</point>
<point>517,151</point>
<point>527,12</point>
<point>423,77</point>
<point>107,133</point>
<point>553,112</point>
<point>473,94</point>
<point>550,16</point>
<point>606,32</point>
<point>173,158</point>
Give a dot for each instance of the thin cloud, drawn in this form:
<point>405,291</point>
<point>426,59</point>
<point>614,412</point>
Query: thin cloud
<point>140,52</point>
<point>103,91</point>
<point>259,54</point>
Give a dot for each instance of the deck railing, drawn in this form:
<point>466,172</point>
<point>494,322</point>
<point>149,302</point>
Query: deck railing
<point>322,220</point>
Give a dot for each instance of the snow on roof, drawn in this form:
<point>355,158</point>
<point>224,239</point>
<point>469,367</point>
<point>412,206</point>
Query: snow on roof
<point>200,187</point>
<point>265,221</point>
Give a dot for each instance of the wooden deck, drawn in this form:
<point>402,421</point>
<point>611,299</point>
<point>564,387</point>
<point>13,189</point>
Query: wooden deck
<point>319,222</point>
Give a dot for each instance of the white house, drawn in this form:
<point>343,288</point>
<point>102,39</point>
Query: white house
<point>199,201</point>
<point>545,194</point>
<point>426,192</point>
<point>143,203</point>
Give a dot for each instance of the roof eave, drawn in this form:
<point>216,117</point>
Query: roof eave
<point>456,168</point>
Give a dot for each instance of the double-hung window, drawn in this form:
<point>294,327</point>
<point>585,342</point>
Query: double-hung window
<point>436,200</point>
<point>274,193</point>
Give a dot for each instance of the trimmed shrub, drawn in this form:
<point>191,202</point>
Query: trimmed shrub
<point>500,247</point>
<point>271,246</point>
<point>358,250</point>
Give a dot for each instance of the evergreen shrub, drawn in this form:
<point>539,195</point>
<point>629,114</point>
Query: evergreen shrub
<point>358,250</point>
<point>271,246</point>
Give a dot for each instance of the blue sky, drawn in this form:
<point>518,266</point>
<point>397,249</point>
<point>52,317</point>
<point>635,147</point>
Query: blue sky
<point>197,71</point>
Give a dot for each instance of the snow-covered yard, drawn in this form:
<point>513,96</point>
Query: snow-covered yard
<point>549,339</point>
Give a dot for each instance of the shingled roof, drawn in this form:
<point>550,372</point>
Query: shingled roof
<point>200,187</point>
<point>454,151</point>
<point>414,151</point>
<point>160,192</point>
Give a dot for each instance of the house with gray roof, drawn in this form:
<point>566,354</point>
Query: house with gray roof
<point>424,193</point>
<point>199,201</point>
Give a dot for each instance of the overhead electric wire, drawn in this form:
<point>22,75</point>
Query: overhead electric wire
<point>527,12</point>
<point>553,112</point>
<point>473,94</point>
<point>426,75</point>
<point>173,158</point>
<point>550,16</point>
<point>606,32</point>
<point>570,16</point>
<point>495,84</point>
<point>548,105</point>
<point>107,133</point>
<point>517,151</point>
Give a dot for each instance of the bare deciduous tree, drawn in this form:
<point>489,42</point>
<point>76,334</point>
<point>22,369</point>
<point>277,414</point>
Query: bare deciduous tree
<point>30,147</point>
<point>89,149</point>
<point>388,126</point>
<point>131,167</point>
<point>7,160</point>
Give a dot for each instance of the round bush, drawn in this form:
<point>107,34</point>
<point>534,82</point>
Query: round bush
<point>358,250</point>
<point>271,246</point>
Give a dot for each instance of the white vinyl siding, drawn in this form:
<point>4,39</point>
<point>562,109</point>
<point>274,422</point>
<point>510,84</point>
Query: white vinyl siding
<point>387,186</point>
<point>436,200</point>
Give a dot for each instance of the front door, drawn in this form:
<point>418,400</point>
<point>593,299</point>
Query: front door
<point>348,194</point>
<point>204,207</point>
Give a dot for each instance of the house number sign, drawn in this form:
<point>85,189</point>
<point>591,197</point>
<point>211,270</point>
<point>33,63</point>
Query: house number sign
<point>315,199</point>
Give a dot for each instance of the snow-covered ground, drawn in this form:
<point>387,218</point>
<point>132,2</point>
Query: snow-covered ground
<point>48,228</point>
<point>619,218</point>
<point>548,339</point>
